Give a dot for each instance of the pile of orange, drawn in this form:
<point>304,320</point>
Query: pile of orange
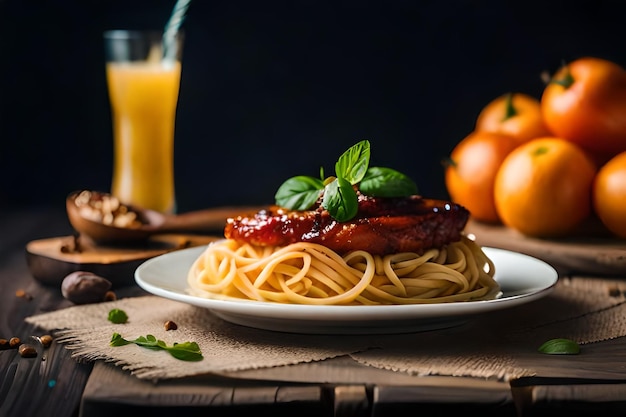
<point>542,166</point>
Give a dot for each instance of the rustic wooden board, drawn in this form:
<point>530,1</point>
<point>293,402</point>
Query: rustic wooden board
<point>591,251</point>
<point>334,387</point>
<point>50,260</point>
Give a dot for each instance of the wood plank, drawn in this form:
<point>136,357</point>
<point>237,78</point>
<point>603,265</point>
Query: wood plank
<point>112,391</point>
<point>337,383</point>
<point>433,400</point>
<point>591,251</point>
<point>571,399</point>
<point>52,382</point>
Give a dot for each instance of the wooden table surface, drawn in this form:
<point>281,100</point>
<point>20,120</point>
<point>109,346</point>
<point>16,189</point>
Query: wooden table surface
<point>55,384</point>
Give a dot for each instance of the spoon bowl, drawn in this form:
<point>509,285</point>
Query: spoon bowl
<point>103,219</point>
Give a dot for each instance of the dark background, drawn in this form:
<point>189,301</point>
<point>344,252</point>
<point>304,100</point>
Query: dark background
<point>275,89</point>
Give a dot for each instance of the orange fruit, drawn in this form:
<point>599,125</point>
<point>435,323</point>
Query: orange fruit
<point>543,188</point>
<point>609,195</point>
<point>585,102</point>
<point>515,114</point>
<point>471,170</point>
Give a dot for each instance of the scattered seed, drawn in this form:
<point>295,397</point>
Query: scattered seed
<point>186,243</point>
<point>27,351</point>
<point>4,344</point>
<point>110,296</point>
<point>170,325</point>
<point>614,292</point>
<point>74,246</point>
<point>14,342</point>
<point>23,294</point>
<point>46,340</point>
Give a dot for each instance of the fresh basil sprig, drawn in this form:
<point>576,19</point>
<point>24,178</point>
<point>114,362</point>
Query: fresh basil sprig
<point>339,195</point>
<point>187,351</point>
<point>386,182</point>
<point>299,193</point>
<point>340,199</point>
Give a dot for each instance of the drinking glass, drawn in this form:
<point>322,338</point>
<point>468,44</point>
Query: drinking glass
<point>143,80</point>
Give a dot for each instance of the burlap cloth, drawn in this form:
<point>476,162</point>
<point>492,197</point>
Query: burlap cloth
<point>586,310</point>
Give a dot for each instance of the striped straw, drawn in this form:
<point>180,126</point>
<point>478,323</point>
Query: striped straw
<point>171,29</point>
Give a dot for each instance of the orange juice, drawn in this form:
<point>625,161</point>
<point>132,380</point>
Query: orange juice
<point>144,97</point>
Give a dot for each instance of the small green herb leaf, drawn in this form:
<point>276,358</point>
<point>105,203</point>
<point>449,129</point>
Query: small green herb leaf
<point>148,341</point>
<point>560,347</point>
<point>353,163</point>
<point>118,340</point>
<point>339,195</point>
<point>387,182</point>
<point>118,316</point>
<point>340,200</point>
<point>187,351</point>
<point>299,193</point>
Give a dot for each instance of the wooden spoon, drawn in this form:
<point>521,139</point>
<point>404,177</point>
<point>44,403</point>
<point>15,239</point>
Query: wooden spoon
<point>151,222</point>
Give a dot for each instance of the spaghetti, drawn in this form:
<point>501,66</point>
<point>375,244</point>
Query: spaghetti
<point>309,273</point>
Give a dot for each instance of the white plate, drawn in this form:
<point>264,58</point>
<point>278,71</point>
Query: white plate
<point>522,279</point>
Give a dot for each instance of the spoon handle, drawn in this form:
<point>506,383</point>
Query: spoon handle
<point>207,220</point>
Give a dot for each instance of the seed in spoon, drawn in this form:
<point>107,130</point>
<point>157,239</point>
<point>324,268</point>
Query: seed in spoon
<point>106,209</point>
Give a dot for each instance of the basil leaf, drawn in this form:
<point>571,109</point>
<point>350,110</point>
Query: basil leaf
<point>191,346</point>
<point>387,182</point>
<point>117,316</point>
<point>118,340</point>
<point>340,200</point>
<point>299,193</point>
<point>187,351</point>
<point>185,355</point>
<point>148,342</point>
<point>353,163</point>
<point>560,347</point>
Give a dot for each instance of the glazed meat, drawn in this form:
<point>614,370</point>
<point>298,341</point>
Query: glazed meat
<point>382,226</point>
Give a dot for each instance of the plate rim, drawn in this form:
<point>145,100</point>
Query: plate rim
<point>342,313</point>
